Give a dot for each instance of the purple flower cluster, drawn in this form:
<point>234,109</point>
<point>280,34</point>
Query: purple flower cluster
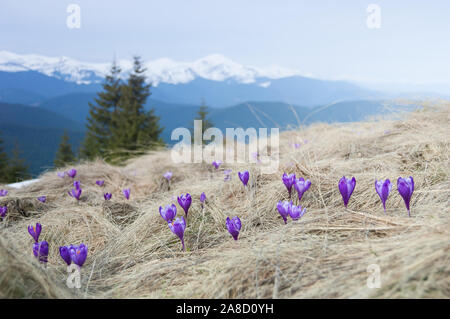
<point>40,249</point>
<point>74,254</point>
<point>286,209</point>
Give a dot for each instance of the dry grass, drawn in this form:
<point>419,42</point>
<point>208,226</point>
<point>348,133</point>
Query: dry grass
<point>132,253</point>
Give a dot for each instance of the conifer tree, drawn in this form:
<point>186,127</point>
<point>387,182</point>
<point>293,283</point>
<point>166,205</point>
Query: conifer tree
<point>202,114</point>
<point>4,167</point>
<point>133,128</point>
<point>99,126</point>
<point>17,170</point>
<point>64,155</point>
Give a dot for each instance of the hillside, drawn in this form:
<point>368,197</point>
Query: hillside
<point>325,254</point>
<point>38,133</point>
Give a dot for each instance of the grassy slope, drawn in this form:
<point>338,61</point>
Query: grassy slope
<point>132,253</point>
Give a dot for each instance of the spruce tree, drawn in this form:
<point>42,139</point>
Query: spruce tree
<point>202,114</point>
<point>4,167</point>
<point>99,125</point>
<point>64,155</point>
<point>17,170</point>
<point>133,128</point>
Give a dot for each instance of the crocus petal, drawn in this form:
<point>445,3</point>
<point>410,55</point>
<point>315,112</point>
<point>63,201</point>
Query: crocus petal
<point>178,227</point>
<point>244,176</point>
<point>284,208</point>
<point>233,226</point>
<point>405,187</point>
<point>346,188</point>
<point>185,202</point>
<point>65,254</point>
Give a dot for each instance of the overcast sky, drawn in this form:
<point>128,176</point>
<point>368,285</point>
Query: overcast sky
<point>325,39</point>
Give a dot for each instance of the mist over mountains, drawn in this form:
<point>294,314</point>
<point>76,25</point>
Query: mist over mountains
<point>40,97</point>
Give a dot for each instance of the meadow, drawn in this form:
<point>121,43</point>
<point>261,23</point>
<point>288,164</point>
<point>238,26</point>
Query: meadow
<point>325,254</point>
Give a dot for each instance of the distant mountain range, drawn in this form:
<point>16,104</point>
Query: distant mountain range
<point>216,79</point>
<point>41,96</point>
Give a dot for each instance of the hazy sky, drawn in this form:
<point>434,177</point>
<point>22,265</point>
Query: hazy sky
<point>325,39</point>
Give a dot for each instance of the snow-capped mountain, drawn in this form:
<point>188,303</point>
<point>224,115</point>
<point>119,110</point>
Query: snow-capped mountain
<point>213,67</point>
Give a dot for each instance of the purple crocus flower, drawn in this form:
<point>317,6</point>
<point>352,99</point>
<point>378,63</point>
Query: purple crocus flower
<point>75,193</point>
<point>40,251</point>
<point>234,226</point>
<point>405,187</point>
<point>35,231</point>
<point>202,197</point>
<point>177,227</point>
<point>168,213</point>
<point>72,173</point>
<point>296,145</point>
<point>3,192</point>
<point>168,175</point>
<point>301,186</point>
<point>243,176</point>
<point>78,254</point>
<point>289,181</point>
<point>126,193</point>
<point>185,202</point>
<point>100,183</point>
<point>284,208</point>
<point>297,212</point>
<point>227,173</point>
<point>3,211</point>
<point>42,199</point>
<point>107,196</point>
<point>383,188</point>
<point>216,164</point>
<point>65,254</point>
<point>346,187</point>
<point>61,174</point>
<point>77,185</point>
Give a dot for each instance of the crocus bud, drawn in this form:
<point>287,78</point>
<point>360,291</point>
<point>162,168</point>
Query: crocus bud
<point>346,187</point>
<point>77,185</point>
<point>244,176</point>
<point>216,164</point>
<point>383,188</point>
<point>100,183</point>
<point>185,202</point>
<point>405,187</point>
<point>202,197</point>
<point>168,213</point>
<point>126,193</point>
<point>234,226</point>
<point>284,208</point>
<point>227,173</point>
<point>177,227</point>
<point>168,175</point>
<point>301,186</point>
<point>35,231</point>
<point>107,196</point>
<point>288,181</point>
<point>65,254</point>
